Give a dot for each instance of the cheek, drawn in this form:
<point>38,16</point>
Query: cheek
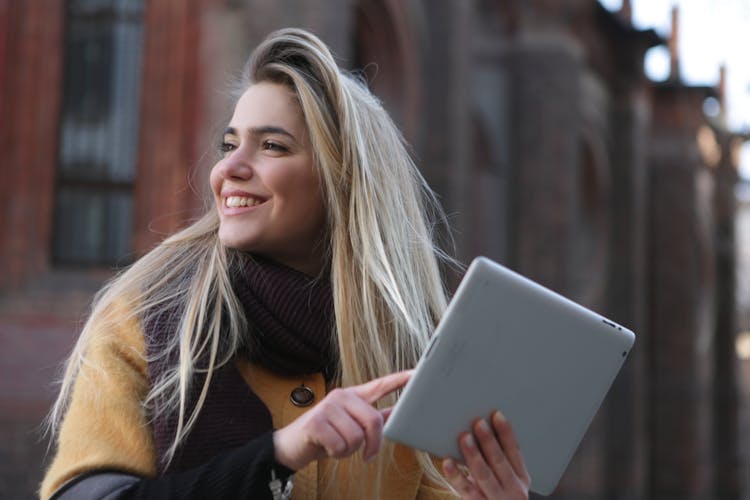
<point>310,196</point>
<point>303,206</point>
<point>318,204</point>
<point>214,180</point>
<point>315,209</point>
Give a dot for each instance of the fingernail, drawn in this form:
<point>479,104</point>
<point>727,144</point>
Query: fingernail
<point>469,441</point>
<point>499,417</point>
<point>449,466</point>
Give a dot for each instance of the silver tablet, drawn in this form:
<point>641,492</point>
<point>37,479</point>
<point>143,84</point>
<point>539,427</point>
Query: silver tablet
<point>510,344</point>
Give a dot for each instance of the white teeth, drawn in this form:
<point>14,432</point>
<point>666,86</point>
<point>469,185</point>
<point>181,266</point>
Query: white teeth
<point>241,201</point>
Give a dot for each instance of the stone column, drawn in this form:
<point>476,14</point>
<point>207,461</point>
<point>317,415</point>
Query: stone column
<point>726,396</point>
<point>443,136</point>
<point>682,283</point>
<point>628,294</point>
<point>546,117</point>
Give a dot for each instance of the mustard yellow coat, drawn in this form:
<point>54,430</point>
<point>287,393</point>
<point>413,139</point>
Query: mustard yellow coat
<point>105,426</point>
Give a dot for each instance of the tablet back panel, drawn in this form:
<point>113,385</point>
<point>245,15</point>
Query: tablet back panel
<point>507,343</point>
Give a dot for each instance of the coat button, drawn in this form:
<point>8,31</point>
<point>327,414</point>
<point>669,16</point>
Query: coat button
<point>302,396</point>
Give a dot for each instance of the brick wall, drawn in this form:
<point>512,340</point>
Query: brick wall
<point>30,78</point>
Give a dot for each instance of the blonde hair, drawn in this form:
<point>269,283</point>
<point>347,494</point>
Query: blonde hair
<point>387,289</point>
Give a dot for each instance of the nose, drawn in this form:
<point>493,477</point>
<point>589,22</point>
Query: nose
<point>235,166</point>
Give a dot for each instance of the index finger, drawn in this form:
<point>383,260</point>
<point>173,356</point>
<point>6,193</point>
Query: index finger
<point>377,388</point>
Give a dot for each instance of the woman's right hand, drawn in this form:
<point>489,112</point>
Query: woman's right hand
<point>339,425</point>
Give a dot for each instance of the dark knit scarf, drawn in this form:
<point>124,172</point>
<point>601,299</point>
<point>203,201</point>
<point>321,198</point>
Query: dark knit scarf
<point>290,333</point>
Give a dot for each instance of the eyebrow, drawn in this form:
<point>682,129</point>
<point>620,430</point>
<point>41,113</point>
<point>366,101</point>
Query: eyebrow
<point>264,129</point>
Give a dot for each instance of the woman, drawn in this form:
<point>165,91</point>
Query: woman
<point>296,303</point>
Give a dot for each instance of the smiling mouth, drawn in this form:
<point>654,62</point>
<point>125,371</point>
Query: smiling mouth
<point>241,201</point>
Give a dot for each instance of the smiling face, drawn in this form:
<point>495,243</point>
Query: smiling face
<point>265,187</point>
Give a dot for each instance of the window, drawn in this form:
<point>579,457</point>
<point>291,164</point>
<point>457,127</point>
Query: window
<point>98,132</point>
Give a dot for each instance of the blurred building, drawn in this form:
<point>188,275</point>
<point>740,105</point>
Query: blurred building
<point>532,119</point>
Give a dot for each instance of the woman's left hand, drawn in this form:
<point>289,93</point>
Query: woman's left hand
<point>496,469</point>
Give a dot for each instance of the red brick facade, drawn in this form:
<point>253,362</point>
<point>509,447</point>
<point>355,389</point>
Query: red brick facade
<point>30,76</point>
<point>170,117</point>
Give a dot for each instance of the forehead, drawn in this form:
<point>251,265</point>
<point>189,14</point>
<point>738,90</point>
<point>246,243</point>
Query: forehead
<point>267,103</point>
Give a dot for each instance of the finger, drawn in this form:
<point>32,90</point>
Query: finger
<point>330,440</point>
<point>510,446</point>
<point>375,389</point>
<point>370,421</point>
<point>458,481</point>
<point>483,475</point>
<point>494,457</point>
<point>348,427</point>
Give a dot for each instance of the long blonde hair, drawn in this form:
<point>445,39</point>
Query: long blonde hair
<point>387,290</point>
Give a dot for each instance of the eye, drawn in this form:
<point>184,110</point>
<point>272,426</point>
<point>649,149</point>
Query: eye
<point>269,145</point>
<point>226,147</point>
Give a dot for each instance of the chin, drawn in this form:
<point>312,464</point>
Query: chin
<point>235,241</point>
